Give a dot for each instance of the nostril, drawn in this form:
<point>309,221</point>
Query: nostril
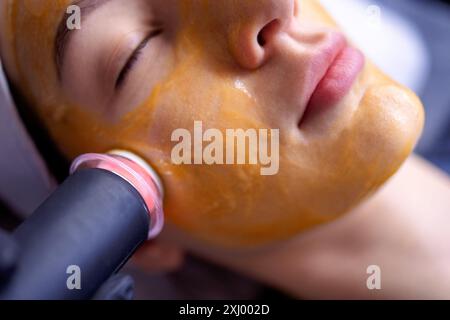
<point>261,39</point>
<point>266,33</point>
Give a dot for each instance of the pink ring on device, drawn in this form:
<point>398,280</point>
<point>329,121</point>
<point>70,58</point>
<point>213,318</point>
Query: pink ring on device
<point>140,176</point>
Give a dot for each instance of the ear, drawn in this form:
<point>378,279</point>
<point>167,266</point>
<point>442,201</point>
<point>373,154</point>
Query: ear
<point>158,256</point>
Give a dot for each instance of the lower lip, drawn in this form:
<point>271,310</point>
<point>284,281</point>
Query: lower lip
<point>338,80</point>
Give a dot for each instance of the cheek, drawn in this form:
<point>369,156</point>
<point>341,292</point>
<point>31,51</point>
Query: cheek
<point>201,199</point>
<point>226,204</point>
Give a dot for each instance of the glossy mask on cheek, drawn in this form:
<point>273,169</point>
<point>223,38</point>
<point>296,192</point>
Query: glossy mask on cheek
<point>321,176</point>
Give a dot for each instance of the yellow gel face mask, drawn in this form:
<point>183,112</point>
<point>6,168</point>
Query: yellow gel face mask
<point>226,65</point>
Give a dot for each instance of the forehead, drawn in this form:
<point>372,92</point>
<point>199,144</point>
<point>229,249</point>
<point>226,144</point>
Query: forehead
<point>27,30</point>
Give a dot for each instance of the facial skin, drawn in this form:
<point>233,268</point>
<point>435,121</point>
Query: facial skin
<point>204,62</point>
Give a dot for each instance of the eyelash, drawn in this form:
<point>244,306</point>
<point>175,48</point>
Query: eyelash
<point>135,57</point>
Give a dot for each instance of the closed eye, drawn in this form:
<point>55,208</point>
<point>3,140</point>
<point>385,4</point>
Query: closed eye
<point>134,57</point>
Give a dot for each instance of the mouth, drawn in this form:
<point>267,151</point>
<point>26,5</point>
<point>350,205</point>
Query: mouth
<point>339,64</point>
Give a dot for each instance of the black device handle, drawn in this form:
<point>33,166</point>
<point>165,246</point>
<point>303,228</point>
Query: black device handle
<point>94,221</point>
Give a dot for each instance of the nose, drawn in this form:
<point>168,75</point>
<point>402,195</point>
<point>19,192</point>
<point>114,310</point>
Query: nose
<point>254,26</point>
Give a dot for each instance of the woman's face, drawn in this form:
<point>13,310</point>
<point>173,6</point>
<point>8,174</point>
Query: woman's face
<point>138,70</point>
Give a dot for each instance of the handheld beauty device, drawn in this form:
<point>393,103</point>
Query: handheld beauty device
<point>88,228</point>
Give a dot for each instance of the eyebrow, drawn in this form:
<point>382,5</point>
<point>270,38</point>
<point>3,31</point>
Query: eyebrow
<point>64,34</point>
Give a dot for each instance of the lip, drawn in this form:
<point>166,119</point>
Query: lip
<point>339,64</point>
